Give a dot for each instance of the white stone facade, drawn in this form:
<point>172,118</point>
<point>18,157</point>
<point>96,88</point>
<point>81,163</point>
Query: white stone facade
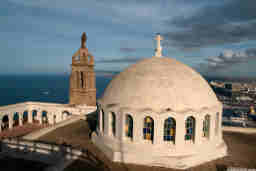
<point>50,113</point>
<point>179,154</point>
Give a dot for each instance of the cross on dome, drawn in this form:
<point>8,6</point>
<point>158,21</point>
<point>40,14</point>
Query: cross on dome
<point>158,50</point>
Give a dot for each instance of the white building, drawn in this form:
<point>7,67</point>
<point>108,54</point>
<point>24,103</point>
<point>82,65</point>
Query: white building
<point>160,112</point>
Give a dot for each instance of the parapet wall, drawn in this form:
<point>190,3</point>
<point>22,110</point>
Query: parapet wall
<point>52,113</point>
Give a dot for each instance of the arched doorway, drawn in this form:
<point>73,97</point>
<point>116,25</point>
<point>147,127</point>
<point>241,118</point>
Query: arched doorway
<point>16,119</point>
<point>34,116</point>
<point>25,117</point>
<point>5,122</point>
<point>44,117</point>
<point>65,115</point>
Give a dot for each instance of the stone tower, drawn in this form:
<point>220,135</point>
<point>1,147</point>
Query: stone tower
<point>82,89</point>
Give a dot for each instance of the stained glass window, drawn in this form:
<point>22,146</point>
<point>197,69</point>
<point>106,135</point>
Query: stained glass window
<point>169,129</point>
<point>190,128</point>
<point>148,130</point>
<point>129,126</point>
<point>113,123</point>
<point>206,126</point>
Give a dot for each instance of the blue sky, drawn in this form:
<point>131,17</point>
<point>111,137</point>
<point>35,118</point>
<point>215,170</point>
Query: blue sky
<point>214,37</point>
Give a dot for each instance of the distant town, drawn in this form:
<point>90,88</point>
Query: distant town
<point>239,101</point>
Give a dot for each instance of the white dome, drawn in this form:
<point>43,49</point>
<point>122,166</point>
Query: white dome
<point>159,84</point>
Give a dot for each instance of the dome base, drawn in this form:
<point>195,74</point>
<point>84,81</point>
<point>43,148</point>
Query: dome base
<point>143,155</point>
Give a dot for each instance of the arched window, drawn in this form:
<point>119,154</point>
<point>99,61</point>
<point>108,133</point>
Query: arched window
<point>129,126</point>
<point>25,117</point>
<point>217,124</point>
<point>206,126</point>
<point>45,117</point>
<point>16,119</point>
<point>5,122</point>
<point>34,116</point>
<point>113,123</point>
<point>102,119</point>
<point>148,130</point>
<point>169,129</point>
<point>65,115</point>
<point>190,128</point>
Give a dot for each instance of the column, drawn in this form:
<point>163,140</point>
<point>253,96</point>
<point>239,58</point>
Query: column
<point>20,119</point>
<point>50,118</point>
<point>100,120</point>
<point>158,131</point>
<point>106,123</point>
<point>180,132</point>
<point>39,116</point>
<point>120,126</point>
<point>10,121</point>
<point>220,124</point>
<point>138,128</point>
<point>198,130</point>
<point>58,116</point>
<point>211,131</point>
<point>30,117</point>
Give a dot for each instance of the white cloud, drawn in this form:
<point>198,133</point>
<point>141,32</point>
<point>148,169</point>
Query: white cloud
<point>228,58</point>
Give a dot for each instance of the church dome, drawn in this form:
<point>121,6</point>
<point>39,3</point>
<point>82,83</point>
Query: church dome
<point>160,83</point>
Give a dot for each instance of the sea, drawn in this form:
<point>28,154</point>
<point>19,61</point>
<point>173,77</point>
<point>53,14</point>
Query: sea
<point>48,88</point>
<point>41,88</point>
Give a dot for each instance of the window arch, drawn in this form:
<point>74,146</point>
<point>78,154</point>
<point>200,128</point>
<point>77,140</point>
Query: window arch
<point>129,126</point>
<point>217,123</point>
<point>113,123</point>
<point>44,117</point>
<point>169,129</point>
<point>190,128</point>
<point>25,117</point>
<point>16,119</point>
<point>148,129</point>
<point>5,122</point>
<point>34,116</point>
<point>206,126</point>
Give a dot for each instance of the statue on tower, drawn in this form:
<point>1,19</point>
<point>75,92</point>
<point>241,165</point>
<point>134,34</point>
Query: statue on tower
<point>83,40</point>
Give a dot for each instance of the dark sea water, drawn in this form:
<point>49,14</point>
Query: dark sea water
<point>43,88</point>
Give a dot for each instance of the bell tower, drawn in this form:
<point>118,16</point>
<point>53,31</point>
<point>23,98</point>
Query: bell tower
<point>82,90</point>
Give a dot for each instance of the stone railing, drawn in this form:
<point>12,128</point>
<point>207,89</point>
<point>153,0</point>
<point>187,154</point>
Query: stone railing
<point>49,153</point>
<point>38,112</point>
